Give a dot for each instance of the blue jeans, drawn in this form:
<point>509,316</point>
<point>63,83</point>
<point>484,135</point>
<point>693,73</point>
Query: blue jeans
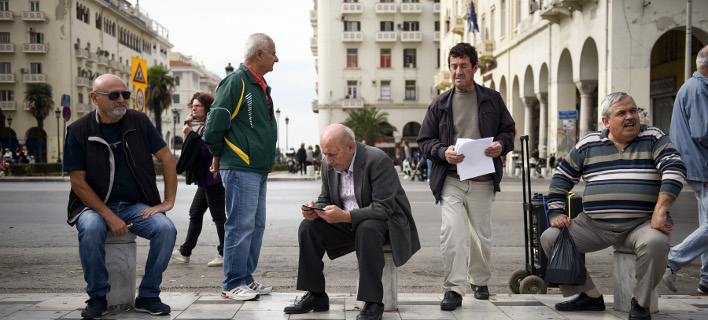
<point>92,246</point>
<point>245,223</point>
<point>696,244</point>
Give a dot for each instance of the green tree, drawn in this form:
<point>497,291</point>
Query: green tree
<point>369,125</point>
<point>39,98</point>
<point>159,91</point>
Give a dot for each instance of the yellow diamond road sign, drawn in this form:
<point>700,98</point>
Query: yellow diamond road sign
<point>139,75</point>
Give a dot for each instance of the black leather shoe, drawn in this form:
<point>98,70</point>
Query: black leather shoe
<point>481,292</point>
<point>308,303</point>
<point>582,303</point>
<point>451,301</point>
<point>371,311</point>
<point>637,312</point>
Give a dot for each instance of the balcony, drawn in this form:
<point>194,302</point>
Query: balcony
<point>555,10</point>
<point>352,36</point>
<point>411,36</point>
<point>457,25</point>
<point>386,8</point>
<point>7,48</point>
<point>352,8</point>
<point>81,53</point>
<point>442,80</point>
<point>35,78</point>
<point>32,16</point>
<point>315,106</point>
<point>35,48</point>
<point>115,65</point>
<point>83,82</point>
<point>103,60</point>
<point>83,108</point>
<point>8,105</point>
<point>436,36</point>
<point>386,36</point>
<point>436,7</point>
<point>485,50</point>
<point>411,8</point>
<point>352,103</point>
<point>6,15</point>
<point>313,45</point>
<point>7,78</point>
<point>313,18</point>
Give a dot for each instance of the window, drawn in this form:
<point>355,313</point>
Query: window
<point>4,37</point>
<point>5,67</point>
<point>437,25</point>
<point>98,21</point>
<point>4,6</point>
<point>36,37</point>
<point>386,1</point>
<point>518,12</point>
<point>438,59</point>
<point>175,98</point>
<point>34,5</point>
<point>491,24</point>
<point>410,1</point>
<point>410,25</point>
<point>410,89</point>
<point>351,58</point>
<point>385,58</point>
<point>351,1</point>
<point>409,58</point>
<point>81,98</point>
<point>385,90</point>
<point>352,89</point>
<point>177,80</point>
<point>386,26</point>
<point>36,67</point>
<point>352,26</point>
<point>7,95</point>
<point>485,35</point>
<point>503,18</point>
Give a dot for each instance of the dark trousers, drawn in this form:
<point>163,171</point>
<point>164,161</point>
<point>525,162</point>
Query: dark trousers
<point>206,197</point>
<point>316,237</point>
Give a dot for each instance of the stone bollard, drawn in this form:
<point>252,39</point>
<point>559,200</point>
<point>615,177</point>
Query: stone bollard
<point>310,170</point>
<point>625,280</point>
<point>389,279</point>
<point>120,262</point>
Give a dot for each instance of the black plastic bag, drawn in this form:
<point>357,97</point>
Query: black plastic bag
<point>566,265</point>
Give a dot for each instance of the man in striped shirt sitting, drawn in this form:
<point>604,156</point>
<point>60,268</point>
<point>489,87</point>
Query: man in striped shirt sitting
<point>633,175</point>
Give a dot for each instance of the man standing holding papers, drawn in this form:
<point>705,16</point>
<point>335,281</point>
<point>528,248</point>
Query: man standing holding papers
<point>479,112</point>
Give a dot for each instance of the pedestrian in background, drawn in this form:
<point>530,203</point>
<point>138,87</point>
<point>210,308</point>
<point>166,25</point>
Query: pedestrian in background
<point>301,157</point>
<point>466,236</point>
<point>195,161</point>
<point>317,155</point>
<point>689,132</point>
<point>108,155</point>
<point>241,132</point>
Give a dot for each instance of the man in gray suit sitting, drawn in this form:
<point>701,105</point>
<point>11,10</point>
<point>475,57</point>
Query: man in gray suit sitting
<point>361,207</point>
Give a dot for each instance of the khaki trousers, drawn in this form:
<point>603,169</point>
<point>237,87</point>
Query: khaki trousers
<point>466,233</point>
<point>651,247</point>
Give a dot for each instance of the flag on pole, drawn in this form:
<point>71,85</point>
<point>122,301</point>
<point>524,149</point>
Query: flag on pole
<point>472,19</point>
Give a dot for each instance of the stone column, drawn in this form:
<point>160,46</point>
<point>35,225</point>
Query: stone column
<point>120,262</point>
<point>530,103</point>
<point>587,89</point>
<point>542,125</point>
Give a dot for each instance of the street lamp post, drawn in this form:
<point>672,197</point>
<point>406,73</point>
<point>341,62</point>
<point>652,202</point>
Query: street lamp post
<point>277,119</point>
<point>57,112</point>
<point>174,132</point>
<point>229,69</point>
<point>286,134</point>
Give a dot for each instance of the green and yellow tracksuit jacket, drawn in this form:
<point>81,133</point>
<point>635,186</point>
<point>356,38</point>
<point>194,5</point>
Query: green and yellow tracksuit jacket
<point>240,126</point>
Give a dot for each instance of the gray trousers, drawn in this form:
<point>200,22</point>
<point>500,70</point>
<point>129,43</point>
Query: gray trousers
<point>651,247</point>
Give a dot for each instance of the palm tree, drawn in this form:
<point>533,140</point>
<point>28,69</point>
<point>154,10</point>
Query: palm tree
<point>39,98</point>
<point>369,125</point>
<point>158,95</point>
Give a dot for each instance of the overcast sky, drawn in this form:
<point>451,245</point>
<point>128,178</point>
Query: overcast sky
<point>213,32</point>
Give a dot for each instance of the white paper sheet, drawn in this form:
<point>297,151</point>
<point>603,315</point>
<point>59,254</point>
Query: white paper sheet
<point>475,163</point>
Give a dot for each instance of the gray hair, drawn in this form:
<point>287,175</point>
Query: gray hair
<point>611,99</point>
<point>257,41</point>
<point>345,136</point>
<point>702,59</point>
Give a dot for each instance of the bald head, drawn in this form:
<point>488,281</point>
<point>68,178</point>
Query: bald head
<point>338,133</point>
<point>109,111</point>
<point>104,80</point>
<point>338,146</point>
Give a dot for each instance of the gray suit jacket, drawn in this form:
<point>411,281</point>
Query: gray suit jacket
<point>380,196</point>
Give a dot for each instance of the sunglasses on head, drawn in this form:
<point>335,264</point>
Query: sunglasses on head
<point>115,94</point>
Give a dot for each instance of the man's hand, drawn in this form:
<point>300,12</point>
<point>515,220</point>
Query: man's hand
<point>658,218</point>
<point>452,157</point>
<point>333,214</point>
<point>493,151</point>
<point>116,225</point>
<point>309,214</point>
<point>561,221</point>
<point>214,169</point>
<point>162,207</point>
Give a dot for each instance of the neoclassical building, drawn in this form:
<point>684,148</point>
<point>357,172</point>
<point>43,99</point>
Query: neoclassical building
<point>554,60</point>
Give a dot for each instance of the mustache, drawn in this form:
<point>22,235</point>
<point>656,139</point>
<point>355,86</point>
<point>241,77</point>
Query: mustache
<point>630,122</point>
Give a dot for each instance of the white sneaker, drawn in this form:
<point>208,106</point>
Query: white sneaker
<point>669,279</point>
<point>260,288</point>
<point>242,293</point>
<point>179,257</point>
<point>217,262</point>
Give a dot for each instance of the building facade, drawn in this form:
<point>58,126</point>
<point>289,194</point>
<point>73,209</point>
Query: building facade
<point>554,60</point>
<point>381,54</point>
<point>67,44</point>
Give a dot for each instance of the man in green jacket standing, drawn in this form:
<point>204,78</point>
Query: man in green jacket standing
<point>241,133</point>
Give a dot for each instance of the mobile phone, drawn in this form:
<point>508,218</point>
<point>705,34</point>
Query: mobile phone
<point>311,207</point>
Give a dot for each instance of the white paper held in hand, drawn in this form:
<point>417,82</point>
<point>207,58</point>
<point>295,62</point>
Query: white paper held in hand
<point>475,163</point>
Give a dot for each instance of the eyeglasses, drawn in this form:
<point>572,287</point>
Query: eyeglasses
<point>115,94</point>
<point>196,106</point>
